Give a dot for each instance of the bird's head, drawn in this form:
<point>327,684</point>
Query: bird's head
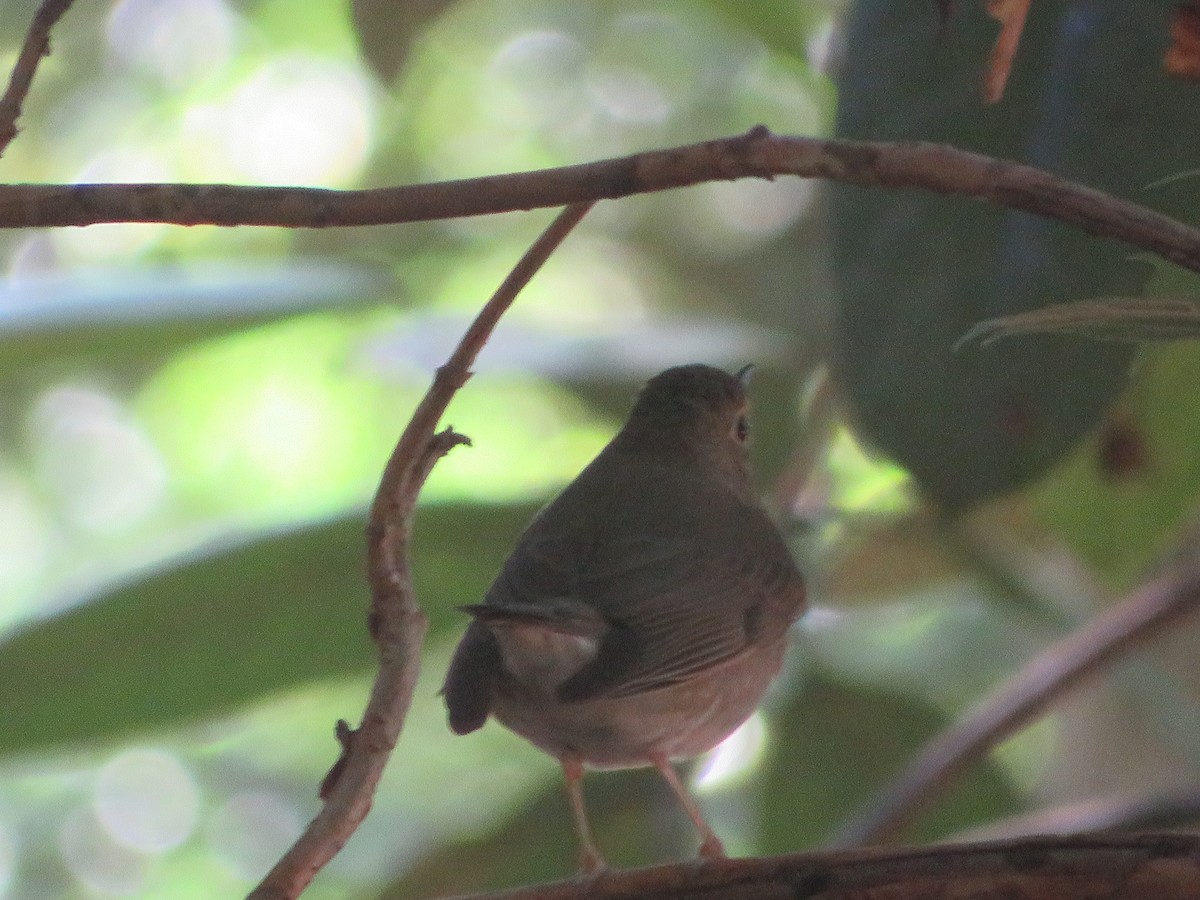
<point>696,411</point>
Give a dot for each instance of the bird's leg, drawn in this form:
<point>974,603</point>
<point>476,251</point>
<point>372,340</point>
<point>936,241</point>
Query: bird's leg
<point>590,860</point>
<point>710,844</point>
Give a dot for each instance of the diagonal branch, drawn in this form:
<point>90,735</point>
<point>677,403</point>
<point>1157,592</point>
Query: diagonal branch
<point>1127,812</point>
<point>396,622</point>
<point>37,45</point>
<point>756,154</point>
<point>1058,668</point>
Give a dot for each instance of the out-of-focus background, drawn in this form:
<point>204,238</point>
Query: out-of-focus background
<point>194,418</point>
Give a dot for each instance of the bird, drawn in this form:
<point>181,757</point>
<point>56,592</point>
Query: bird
<point>645,610</point>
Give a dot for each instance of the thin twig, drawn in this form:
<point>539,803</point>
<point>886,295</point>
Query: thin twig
<point>37,45</point>
<point>1128,867</point>
<point>1058,668</point>
<point>1011,16</point>
<point>396,621</point>
<point>756,154</point>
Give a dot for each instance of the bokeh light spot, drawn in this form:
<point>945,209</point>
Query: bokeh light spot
<point>267,420</point>
<point>250,830</point>
<point>645,67</point>
<point>300,120</point>
<point>176,40</point>
<point>95,460</point>
<point>100,864</point>
<point>630,96</point>
<point>534,79</point>
<point>10,855</point>
<point>147,800</point>
<point>735,757</point>
<point>861,482</point>
<point>726,219</point>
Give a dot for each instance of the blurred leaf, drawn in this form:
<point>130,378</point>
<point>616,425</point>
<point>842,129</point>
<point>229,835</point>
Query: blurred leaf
<point>884,559</point>
<point>1120,495</point>
<point>211,633</point>
<point>386,30</point>
<point>836,744</point>
<point>46,320</point>
<point>1129,319</point>
<point>783,25</point>
<point>1086,100</point>
<point>944,644</point>
<point>636,822</point>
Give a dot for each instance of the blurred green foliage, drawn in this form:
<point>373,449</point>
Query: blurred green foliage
<point>195,418</point>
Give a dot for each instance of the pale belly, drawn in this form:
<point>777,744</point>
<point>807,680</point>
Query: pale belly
<point>678,722</point>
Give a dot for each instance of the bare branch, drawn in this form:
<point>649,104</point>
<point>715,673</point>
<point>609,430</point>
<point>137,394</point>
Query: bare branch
<point>1128,867</point>
<point>396,621</point>
<point>756,154</point>
<point>1057,669</point>
<point>1111,812</point>
<point>37,45</point>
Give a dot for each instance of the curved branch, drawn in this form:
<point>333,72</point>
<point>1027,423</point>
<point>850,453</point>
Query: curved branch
<point>37,45</point>
<point>1055,670</point>
<point>1146,867</point>
<point>756,154</point>
<point>396,621</point>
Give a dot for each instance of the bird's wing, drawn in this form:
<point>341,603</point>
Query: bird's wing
<point>679,616</point>
<point>674,605</point>
<point>684,574</point>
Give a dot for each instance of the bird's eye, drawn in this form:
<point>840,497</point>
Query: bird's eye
<point>742,428</point>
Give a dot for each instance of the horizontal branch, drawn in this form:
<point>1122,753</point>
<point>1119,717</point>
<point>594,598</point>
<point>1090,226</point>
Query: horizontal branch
<point>756,154</point>
<point>1146,867</point>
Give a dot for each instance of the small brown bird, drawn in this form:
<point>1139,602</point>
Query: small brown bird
<point>645,610</point>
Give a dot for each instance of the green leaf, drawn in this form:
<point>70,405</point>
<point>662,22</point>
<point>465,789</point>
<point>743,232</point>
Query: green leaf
<point>918,270</point>
<point>635,819</point>
<point>1117,500</point>
<point>205,635</point>
<point>837,744</point>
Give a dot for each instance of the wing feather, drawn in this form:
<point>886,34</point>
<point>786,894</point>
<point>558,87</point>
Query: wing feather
<point>687,576</point>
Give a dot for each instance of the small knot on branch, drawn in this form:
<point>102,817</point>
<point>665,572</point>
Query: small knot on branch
<point>345,737</point>
<point>439,445</point>
<point>759,132</point>
<point>741,157</point>
<point>446,440</point>
<point>451,376</point>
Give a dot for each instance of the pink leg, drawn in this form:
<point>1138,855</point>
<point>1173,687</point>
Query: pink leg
<point>590,860</point>
<point>710,844</point>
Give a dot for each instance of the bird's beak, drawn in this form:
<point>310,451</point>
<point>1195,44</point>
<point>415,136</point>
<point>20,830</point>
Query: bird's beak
<point>744,373</point>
